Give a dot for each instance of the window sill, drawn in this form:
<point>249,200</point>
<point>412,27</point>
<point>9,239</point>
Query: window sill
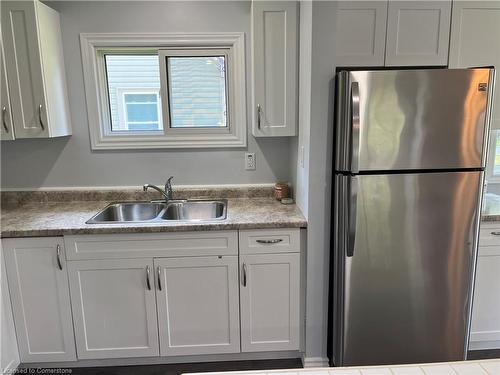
<point>134,143</point>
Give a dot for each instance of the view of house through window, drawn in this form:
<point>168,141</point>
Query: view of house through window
<point>197,91</point>
<point>133,91</point>
<point>197,95</point>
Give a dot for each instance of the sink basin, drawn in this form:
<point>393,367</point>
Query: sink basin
<point>128,212</point>
<point>154,212</point>
<point>195,211</point>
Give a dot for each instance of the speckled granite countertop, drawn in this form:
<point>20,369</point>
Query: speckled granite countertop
<point>26,218</point>
<point>491,207</point>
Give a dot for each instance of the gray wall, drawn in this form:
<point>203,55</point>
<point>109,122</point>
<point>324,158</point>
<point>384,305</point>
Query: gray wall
<point>314,179</point>
<point>69,161</point>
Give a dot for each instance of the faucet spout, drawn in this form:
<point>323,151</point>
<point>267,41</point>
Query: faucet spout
<point>154,187</point>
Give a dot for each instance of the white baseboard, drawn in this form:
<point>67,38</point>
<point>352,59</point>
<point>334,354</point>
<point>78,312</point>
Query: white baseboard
<point>484,345</point>
<point>309,362</point>
<point>166,360</point>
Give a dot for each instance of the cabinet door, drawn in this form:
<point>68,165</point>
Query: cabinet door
<point>197,299</point>
<point>418,33</point>
<point>114,308</point>
<point>360,36</point>
<point>24,68</point>
<point>38,283</point>
<point>269,297</point>
<point>9,353</point>
<point>6,127</point>
<point>485,327</point>
<point>275,74</point>
<point>475,31</point>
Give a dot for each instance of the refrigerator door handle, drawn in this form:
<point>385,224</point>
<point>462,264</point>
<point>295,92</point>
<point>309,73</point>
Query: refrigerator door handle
<point>355,125</point>
<point>351,225</point>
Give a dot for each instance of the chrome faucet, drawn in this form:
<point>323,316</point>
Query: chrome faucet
<point>167,192</point>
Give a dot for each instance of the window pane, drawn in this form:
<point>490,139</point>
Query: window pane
<point>197,91</point>
<point>133,87</point>
<point>496,167</point>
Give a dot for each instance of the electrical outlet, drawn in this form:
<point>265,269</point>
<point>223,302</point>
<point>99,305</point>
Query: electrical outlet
<point>249,161</point>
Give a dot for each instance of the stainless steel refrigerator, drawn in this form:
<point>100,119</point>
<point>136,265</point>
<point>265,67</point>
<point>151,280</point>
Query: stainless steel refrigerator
<point>409,161</point>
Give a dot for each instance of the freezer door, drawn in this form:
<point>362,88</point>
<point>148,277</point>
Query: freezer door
<point>407,284</point>
<point>412,119</point>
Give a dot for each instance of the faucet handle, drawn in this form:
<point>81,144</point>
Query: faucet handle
<point>169,179</point>
<point>145,187</point>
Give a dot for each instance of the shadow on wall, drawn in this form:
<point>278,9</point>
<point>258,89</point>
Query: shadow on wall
<point>270,148</point>
<point>41,159</point>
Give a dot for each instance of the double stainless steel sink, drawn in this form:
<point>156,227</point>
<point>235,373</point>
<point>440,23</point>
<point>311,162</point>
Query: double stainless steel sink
<point>175,210</point>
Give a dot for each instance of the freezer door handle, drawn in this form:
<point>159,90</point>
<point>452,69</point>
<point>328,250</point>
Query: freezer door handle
<point>355,124</point>
<point>351,217</point>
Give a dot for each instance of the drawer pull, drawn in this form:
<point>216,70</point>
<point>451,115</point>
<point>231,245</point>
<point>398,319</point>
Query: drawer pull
<point>278,240</point>
<point>495,233</point>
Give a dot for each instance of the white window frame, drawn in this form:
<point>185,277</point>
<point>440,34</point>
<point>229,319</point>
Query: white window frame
<point>122,106</point>
<point>95,45</point>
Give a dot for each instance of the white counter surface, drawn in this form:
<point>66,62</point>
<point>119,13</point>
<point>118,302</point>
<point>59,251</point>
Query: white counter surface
<point>482,367</point>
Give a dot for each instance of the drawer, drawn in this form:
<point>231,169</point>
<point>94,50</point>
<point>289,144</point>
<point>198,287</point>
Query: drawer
<point>147,245</point>
<point>268,241</point>
<point>489,235</point>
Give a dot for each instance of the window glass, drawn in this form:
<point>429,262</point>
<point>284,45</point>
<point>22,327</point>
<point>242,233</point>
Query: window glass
<point>197,92</point>
<point>133,89</point>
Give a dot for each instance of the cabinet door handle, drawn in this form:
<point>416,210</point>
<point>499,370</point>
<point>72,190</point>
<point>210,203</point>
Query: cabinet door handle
<point>40,117</point>
<point>58,251</point>
<point>159,277</point>
<point>268,242</point>
<point>259,111</point>
<point>4,111</point>
<point>495,233</point>
<point>148,282</point>
<point>244,277</point>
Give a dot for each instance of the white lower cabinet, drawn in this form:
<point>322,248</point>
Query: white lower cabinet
<point>133,295</point>
<point>485,327</point>
<point>114,308</point>
<point>38,284</point>
<point>269,295</point>
<point>197,300</point>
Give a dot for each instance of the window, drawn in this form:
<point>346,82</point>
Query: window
<point>166,91</point>
<point>141,111</point>
<point>197,91</point>
<point>493,168</point>
<point>133,88</point>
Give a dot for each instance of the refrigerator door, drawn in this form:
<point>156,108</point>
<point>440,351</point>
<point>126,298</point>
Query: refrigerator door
<point>406,284</point>
<point>412,119</point>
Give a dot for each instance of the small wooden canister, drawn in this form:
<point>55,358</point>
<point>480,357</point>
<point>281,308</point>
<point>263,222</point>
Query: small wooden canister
<point>281,190</point>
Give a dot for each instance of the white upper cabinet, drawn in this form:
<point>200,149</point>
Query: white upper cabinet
<point>475,41</point>
<point>392,33</point>
<point>274,67</point>
<point>197,301</point>
<point>38,284</point>
<point>114,308</point>
<point>417,33</point>
<point>6,127</point>
<point>360,33</point>
<point>35,69</point>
